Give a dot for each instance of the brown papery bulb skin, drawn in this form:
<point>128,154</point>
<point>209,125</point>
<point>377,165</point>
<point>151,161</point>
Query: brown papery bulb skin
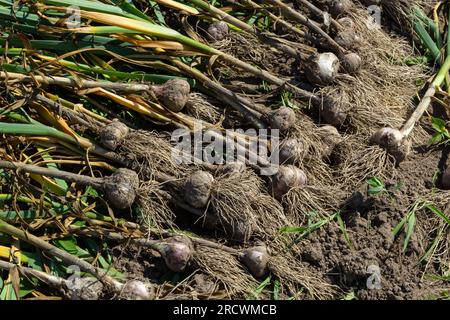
<point>112,135</point>
<point>331,112</point>
<point>282,119</point>
<point>121,188</point>
<point>321,69</point>
<point>392,140</point>
<point>292,151</point>
<point>387,138</point>
<point>287,178</point>
<point>197,189</point>
<point>339,154</point>
<point>136,290</point>
<point>446,179</point>
<point>256,259</point>
<point>177,252</point>
<point>241,231</point>
<point>339,7</point>
<point>233,168</point>
<point>351,63</point>
<point>173,94</point>
<point>330,137</point>
<point>347,23</point>
<point>329,131</point>
<point>348,39</point>
<point>218,30</point>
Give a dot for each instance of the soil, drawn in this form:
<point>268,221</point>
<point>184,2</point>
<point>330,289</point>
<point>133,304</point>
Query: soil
<point>370,222</point>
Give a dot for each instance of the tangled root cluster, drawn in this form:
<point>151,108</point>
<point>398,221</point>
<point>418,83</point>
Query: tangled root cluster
<point>226,270</point>
<point>249,48</point>
<point>151,152</point>
<point>243,206</point>
<point>202,107</point>
<point>296,277</point>
<point>153,206</point>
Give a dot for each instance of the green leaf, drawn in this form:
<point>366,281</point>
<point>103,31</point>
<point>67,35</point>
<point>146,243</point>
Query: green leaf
<point>80,223</point>
<point>409,229</point>
<point>69,244</point>
<point>252,19</point>
<point>27,286</point>
<point>374,182</point>
<point>34,260</point>
<point>399,226</point>
<point>46,156</point>
<point>438,212</point>
<point>276,289</point>
<point>442,133</point>
<point>375,190</point>
<point>350,296</point>
<point>158,13</point>
<point>426,40</point>
<point>11,215</point>
<point>114,273</point>
<point>438,124</point>
<point>293,229</point>
<point>34,130</point>
<point>90,192</point>
<point>107,255</point>
<point>437,138</point>
<point>305,230</point>
<point>95,6</point>
<point>308,229</point>
<point>343,228</point>
<point>104,264</point>
<point>432,247</point>
<point>7,292</point>
<point>128,6</point>
<point>255,294</point>
<point>57,269</point>
<point>375,185</point>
